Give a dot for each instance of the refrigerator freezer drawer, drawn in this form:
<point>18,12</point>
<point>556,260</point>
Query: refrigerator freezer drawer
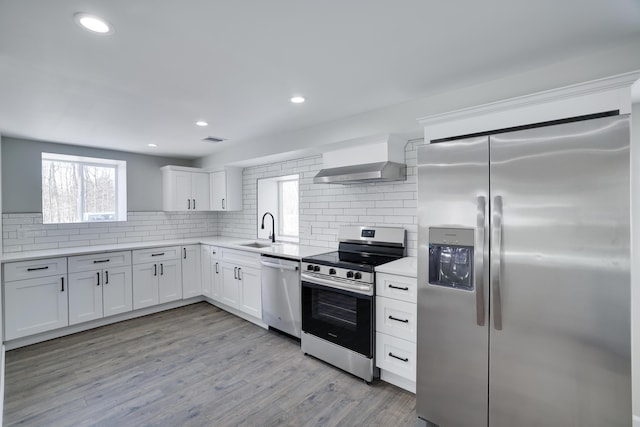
<point>397,287</point>
<point>396,355</point>
<point>396,318</point>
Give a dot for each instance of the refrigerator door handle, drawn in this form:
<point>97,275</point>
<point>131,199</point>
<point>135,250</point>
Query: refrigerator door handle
<point>496,254</point>
<point>479,262</point>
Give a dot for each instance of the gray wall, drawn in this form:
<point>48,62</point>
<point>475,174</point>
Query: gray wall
<point>22,176</point>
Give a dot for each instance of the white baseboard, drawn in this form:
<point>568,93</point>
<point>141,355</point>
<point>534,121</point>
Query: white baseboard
<point>398,381</point>
<point>45,336</point>
<point>236,312</point>
<point>636,421</point>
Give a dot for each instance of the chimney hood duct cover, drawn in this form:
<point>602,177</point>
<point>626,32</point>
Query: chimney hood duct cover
<point>370,172</point>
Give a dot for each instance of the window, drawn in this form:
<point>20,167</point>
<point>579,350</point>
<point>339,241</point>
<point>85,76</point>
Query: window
<point>279,196</point>
<point>288,208</point>
<point>83,189</point>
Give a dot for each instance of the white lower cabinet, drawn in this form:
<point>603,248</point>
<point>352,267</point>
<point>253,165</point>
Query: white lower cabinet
<point>100,285</point>
<point>396,329</point>
<point>99,293</point>
<point>157,281</point>
<point>240,281</point>
<point>250,291</point>
<point>170,281</point>
<point>229,284</point>
<point>210,272</point>
<point>191,272</point>
<point>35,305</point>
<point>85,296</point>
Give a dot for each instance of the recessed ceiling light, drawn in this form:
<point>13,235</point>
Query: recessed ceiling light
<point>152,145</point>
<point>202,123</point>
<point>93,23</point>
<point>297,99</point>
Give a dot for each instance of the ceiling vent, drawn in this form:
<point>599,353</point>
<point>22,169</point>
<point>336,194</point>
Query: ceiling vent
<point>213,139</point>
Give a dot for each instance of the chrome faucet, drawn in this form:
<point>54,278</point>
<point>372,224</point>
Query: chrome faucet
<point>273,226</point>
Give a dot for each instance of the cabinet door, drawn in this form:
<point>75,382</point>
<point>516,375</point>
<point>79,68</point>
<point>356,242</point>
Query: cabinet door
<point>117,290</point>
<point>229,284</point>
<point>218,184</point>
<point>145,285</point>
<point>200,191</point>
<point>35,305</point>
<point>181,191</point>
<point>85,296</point>
<point>205,270</point>
<point>250,291</point>
<point>169,281</point>
<point>191,272</point>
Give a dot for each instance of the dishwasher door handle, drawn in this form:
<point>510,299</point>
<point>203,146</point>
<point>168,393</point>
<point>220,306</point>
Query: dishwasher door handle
<point>281,266</point>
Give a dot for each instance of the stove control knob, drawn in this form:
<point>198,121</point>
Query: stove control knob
<point>332,271</point>
<point>316,268</point>
<point>310,267</point>
<point>349,274</point>
<point>358,276</point>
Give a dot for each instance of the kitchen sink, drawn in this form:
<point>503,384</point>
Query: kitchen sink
<point>255,245</point>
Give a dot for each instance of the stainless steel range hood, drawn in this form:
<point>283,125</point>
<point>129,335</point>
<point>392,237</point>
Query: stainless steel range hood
<point>370,172</point>
<point>377,158</point>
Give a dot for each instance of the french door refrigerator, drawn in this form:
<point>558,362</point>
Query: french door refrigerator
<point>524,283</point>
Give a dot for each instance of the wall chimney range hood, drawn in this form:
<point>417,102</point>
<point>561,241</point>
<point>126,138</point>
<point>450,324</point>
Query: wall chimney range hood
<point>371,159</point>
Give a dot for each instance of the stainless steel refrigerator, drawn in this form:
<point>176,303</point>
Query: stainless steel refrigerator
<point>523,276</point>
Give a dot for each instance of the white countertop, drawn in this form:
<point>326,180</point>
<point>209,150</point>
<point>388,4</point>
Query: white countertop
<point>289,250</point>
<point>407,266</point>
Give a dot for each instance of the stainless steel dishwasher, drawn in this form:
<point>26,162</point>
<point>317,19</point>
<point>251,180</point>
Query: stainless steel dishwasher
<point>281,294</point>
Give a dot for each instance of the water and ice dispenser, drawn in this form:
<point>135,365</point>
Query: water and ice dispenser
<point>451,257</point>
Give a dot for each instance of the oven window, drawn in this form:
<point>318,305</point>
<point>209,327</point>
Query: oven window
<point>335,309</point>
<point>341,317</point>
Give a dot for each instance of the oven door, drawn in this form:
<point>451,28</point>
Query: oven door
<point>342,317</point>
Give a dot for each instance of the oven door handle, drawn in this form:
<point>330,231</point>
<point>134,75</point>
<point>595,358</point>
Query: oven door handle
<point>363,289</point>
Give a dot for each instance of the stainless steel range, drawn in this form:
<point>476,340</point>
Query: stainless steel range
<point>338,295</point>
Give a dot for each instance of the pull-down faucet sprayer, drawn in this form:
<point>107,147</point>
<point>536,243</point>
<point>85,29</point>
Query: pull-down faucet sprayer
<point>273,226</point>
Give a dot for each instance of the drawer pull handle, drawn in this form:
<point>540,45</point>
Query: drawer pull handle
<point>62,289</point>
<point>399,287</point>
<point>399,320</point>
<point>98,280</point>
<point>217,268</point>
<point>106,277</point>
<point>184,250</point>
<point>38,268</point>
<point>160,254</point>
<point>404,359</point>
<point>98,261</point>
<point>155,269</point>
<point>161,269</point>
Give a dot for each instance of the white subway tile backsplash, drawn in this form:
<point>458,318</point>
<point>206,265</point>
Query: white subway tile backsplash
<point>325,207</point>
<point>26,231</point>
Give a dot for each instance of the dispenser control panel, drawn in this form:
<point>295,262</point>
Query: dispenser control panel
<point>451,257</point>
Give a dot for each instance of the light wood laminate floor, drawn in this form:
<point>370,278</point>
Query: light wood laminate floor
<point>192,366</point>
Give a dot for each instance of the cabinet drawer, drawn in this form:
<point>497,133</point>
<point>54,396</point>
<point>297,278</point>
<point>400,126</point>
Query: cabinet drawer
<point>397,287</point>
<point>141,256</point>
<point>35,268</point>
<point>397,318</point>
<point>97,261</point>
<point>248,258</point>
<point>396,355</point>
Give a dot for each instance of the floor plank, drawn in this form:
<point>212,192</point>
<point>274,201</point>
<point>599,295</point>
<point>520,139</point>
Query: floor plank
<point>191,366</point>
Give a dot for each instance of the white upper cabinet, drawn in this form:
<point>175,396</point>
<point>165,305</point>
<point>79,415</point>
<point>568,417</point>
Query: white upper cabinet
<point>226,190</point>
<point>184,189</point>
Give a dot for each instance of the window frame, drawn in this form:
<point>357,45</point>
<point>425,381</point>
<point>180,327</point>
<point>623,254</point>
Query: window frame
<point>120,184</point>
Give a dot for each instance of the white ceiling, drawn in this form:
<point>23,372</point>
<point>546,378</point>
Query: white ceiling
<point>236,63</point>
